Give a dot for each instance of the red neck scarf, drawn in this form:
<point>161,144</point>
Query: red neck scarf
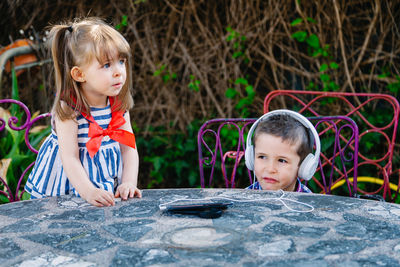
<point>96,133</point>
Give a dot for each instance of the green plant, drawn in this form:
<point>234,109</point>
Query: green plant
<point>315,50</point>
<point>194,84</point>
<point>239,44</point>
<point>393,87</point>
<point>244,102</point>
<point>165,74</point>
<point>13,148</point>
<point>171,157</point>
<point>123,23</point>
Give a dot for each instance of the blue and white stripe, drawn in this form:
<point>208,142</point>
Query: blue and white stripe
<point>48,177</point>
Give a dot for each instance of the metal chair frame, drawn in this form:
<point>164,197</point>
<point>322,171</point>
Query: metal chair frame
<point>343,152</point>
<point>24,126</point>
<point>351,105</point>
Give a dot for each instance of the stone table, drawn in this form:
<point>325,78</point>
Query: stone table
<point>261,228</point>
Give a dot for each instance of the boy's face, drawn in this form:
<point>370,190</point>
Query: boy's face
<point>276,163</point>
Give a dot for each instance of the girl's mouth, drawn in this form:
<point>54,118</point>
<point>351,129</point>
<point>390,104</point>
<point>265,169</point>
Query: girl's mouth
<point>117,85</point>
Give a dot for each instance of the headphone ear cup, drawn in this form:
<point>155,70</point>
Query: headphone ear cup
<point>249,157</point>
<point>308,167</point>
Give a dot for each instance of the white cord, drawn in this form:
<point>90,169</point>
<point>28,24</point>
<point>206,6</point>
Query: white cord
<point>281,199</point>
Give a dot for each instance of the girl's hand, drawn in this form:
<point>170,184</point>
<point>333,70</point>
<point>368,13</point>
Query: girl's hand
<point>99,197</point>
<point>126,190</point>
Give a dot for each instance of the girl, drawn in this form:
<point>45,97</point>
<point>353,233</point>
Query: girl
<point>91,148</point>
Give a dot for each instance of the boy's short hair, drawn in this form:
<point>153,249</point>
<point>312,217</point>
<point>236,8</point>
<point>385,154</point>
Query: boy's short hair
<point>289,129</point>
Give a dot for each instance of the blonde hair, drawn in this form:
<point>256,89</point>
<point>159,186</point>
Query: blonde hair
<point>75,44</point>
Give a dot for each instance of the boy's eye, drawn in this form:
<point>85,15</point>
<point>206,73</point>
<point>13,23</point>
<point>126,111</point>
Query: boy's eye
<point>122,61</point>
<point>262,157</point>
<point>282,160</point>
<point>106,66</point>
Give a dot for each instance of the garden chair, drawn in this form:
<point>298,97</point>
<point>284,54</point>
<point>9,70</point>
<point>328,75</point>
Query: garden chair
<point>18,139</point>
<point>221,148</point>
<point>377,117</point>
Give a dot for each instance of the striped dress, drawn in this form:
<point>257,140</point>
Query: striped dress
<point>104,169</point>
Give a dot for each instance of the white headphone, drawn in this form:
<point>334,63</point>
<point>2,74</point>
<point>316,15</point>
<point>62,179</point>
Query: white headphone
<point>310,163</point>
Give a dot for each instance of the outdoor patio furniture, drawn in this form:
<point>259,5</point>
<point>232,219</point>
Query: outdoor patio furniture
<point>16,129</point>
<point>377,117</point>
<point>221,146</point>
<point>260,228</point>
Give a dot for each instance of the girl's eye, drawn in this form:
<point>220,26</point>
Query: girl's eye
<point>106,66</point>
<point>122,61</point>
<point>262,157</point>
<point>282,161</point>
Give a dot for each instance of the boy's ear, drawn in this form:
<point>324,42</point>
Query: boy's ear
<point>77,74</point>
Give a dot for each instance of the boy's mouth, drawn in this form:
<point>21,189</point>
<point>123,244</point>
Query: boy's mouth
<point>269,180</point>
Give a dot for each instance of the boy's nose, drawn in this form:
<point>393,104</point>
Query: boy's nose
<point>270,167</point>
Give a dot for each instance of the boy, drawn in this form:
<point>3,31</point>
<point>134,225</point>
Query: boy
<point>281,155</point>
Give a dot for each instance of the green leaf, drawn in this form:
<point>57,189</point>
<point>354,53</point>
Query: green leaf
<point>194,86</point>
<point>311,86</point>
<point>296,22</point>
<point>323,67</point>
<point>311,20</point>
<point>3,199</point>
<point>333,86</point>
<point>299,36</point>
<point>124,20</point>
<point>316,53</point>
<point>394,87</point>
<point>242,102</point>
<point>231,93</point>
<point>26,196</point>
<point>313,41</point>
<point>237,54</point>
<point>325,77</point>
<point>166,78</point>
<point>333,65</point>
<point>249,90</point>
<point>241,81</point>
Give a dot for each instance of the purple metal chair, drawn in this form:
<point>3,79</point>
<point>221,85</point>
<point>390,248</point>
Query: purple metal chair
<point>17,125</point>
<point>377,131</point>
<point>221,146</point>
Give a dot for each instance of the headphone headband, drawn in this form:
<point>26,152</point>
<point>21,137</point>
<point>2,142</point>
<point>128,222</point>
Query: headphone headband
<point>309,164</point>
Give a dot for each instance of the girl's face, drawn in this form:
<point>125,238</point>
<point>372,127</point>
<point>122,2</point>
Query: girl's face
<point>276,163</point>
<point>101,80</point>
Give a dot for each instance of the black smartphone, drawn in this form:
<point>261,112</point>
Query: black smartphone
<point>203,209</point>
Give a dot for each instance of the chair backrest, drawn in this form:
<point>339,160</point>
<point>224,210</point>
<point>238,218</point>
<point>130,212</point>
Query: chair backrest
<point>17,144</point>
<point>377,117</point>
<point>221,147</point>
<point>223,142</point>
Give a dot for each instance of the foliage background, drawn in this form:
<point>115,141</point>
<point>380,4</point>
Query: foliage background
<point>199,59</point>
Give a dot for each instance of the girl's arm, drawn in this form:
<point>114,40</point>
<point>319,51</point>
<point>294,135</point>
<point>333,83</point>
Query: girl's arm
<point>130,167</point>
<point>69,152</point>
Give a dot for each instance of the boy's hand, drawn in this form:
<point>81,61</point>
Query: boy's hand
<point>99,197</point>
<point>127,190</point>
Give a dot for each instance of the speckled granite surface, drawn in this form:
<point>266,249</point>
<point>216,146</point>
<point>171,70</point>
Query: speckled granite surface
<point>258,230</point>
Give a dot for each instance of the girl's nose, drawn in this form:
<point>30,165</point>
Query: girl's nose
<point>118,69</point>
<point>117,72</point>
